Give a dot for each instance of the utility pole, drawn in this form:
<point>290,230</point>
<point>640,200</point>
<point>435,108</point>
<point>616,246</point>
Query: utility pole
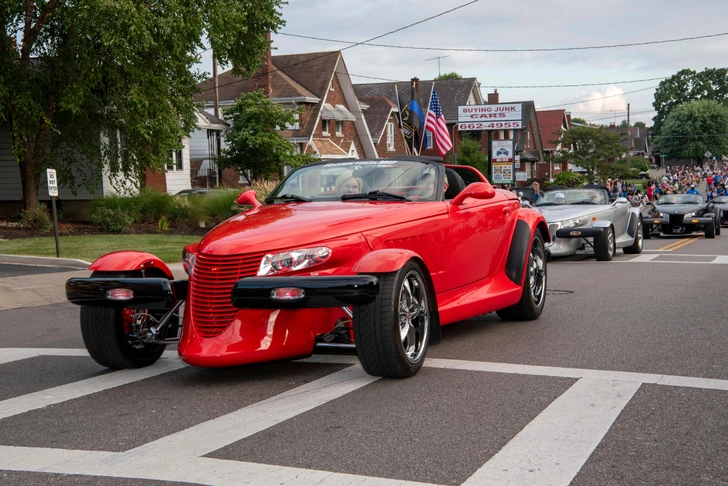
<point>217,115</point>
<point>439,73</point>
<point>629,139</point>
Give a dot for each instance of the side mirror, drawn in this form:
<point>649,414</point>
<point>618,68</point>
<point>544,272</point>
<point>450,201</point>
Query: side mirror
<point>476,190</point>
<point>621,200</point>
<point>248,198</point>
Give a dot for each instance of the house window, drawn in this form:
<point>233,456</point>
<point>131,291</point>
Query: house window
<point>428,140</point>
<point>325,126</point>
<point>124,149</point>
<point>212,141</point>
<point>528,140</point>
<point>390,136</point>
<point>339,127</point>
<point>175,160</point>
<point>295,125</point>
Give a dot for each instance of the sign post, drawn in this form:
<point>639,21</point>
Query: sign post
<point>53,193</point>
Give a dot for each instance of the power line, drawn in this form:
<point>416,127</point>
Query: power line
<point>360,43</point>
<point>599,98</point>
<point>576,85</point>
<point>544,49</point>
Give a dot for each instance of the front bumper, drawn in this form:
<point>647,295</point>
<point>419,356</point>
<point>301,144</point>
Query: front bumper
<point>579,232</point>
<point>674,222</point>
<point>148,293</point>
<point>318,292</point>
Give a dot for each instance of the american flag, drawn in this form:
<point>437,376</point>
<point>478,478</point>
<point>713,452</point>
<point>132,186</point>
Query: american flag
<point>435,123</point>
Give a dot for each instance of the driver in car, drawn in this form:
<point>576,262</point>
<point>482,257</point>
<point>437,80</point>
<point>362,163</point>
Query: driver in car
<point>559,198</point>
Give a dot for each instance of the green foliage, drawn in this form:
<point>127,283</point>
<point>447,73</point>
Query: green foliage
<point>693,128</point>
<point>471,153</point>
<point>122,69</point>
<point>187,211</point>
<point>569,179</point>
<point>618,170</point>
<point>121,204</point>
<point>36,219</point>
<point>639,163</point>
<point>152,205</point>
<point>111,220</point>
<point>688,85</point>
<point>588,147</point>
<point>253,142</point>
<point>639,124</point>
<point>163,224</point>
<point>579,120</point>
<point>451,75</point>
<point>263,189</point>
<point>219,206</point>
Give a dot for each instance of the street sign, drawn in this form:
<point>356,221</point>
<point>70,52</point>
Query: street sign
<point>708,154</point>
<point>52,182</point>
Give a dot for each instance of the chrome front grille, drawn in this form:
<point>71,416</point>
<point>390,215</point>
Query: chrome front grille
<point>211,287</point>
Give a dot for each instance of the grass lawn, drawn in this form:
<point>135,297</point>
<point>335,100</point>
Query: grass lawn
<point>89,248</point>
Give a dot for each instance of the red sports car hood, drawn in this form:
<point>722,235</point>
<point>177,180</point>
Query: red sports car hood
<point>279,226</point>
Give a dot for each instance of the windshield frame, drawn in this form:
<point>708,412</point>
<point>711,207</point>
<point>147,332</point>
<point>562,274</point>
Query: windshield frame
<point>678,199</point>
<point>547,198</point>
<point>318,181</point>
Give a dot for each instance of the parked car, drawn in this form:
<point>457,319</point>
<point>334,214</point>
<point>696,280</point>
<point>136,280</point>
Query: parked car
<point>189,192</point>
<point>371,254</point>
<point>583,218</point>
<point>683,214</point>
<point>721,203</point>
<point>644,174</point>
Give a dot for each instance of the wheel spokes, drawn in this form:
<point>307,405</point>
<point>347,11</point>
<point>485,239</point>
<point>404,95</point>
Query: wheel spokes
<point>413,318</point>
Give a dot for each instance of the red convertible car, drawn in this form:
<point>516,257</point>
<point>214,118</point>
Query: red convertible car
<point>374,255</point>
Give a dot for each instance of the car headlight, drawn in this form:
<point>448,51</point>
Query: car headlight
<point>657,214</point>
<point>570,223</point>
<point>693,214</point>
<point>292,260</point>
<point>188,262</point>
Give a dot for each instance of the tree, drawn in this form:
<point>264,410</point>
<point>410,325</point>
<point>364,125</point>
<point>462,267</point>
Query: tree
<point>470,152</point>
<point>452,75</point>
<point>640,124</point>
<point>694,128</point>
<point>254,143</point>
<point>579,120</point>
<point>589,147</point>
<point>113,81</point>
<point>688,85</point>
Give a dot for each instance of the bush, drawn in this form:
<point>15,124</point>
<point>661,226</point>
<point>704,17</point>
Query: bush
<point>569,179</point>
<point>152,205</point>
<point>218,206</point>
<point>36,219</point>
<point>163,224</point>
<point>124,205</point>
<point>111,220</point>
<point>263,189</point>
<point>187,211</point>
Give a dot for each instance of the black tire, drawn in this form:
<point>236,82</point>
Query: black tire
<point>717,222</point>
<point>384,346</point>
<point>604,245</point>
<point>647,231</point>
<point>533,296</point>
<point>636,246</point>
<point>709,229</point>
<point>103,334</point>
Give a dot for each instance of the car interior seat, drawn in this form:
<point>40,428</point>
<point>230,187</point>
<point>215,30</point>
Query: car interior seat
<point>455,183</point>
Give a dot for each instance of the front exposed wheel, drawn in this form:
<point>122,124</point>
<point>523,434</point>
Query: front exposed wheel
<point>106,333</point>
<point>392,333</point>
<point>604,245</point>
<point>533,295</point>
<point>636,246</point>
<point>710,229</point>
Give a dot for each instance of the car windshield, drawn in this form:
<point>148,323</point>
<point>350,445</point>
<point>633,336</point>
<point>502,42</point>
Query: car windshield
<point>396,180</point>
<point>721,200</point>
<point>680,199</point>
<point>573,196</point>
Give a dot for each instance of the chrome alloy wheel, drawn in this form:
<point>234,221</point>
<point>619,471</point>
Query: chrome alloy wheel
<point>639,234</point>
<point>537,273</point>
<point>414,316</point>
<point>610,242</point>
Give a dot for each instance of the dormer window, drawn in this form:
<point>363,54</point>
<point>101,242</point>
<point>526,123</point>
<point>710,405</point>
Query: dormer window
<point>339,127</point>
<point>325,126</point>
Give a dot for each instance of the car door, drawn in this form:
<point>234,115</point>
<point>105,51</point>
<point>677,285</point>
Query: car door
<point>478,228</point>
<point>620,216</point>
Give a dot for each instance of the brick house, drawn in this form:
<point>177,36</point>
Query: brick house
<point>452,93</point>
<point>550,122</point>
<point>332,125</point>
<point>383,118</point>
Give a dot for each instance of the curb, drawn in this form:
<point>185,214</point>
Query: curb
<point>44,261</point>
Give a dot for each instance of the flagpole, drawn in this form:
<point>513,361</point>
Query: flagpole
<point>424,129</point>
<point>401,121</point>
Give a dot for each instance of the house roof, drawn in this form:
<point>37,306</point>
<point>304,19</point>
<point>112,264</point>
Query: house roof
<point>452,93</point>
<point>529,117</point>
<point>377,114</point>
<point>326,149</point>
<point>639,137</point>
<point>211,122</point>
<point>549,122</point>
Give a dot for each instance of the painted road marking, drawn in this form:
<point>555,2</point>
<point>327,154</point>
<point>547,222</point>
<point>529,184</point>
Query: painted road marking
<point>559,440</point>
<point>680,243</point>
<point>652,258</point>
<point>556,444</point>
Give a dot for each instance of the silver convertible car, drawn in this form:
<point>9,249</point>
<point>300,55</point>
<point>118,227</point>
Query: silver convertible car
<point>583,218</point>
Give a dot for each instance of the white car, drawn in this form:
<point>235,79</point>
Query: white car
<point>585,219</point>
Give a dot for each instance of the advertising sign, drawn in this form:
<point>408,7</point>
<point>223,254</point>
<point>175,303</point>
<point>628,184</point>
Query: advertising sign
<point>499,116</point>
<point>521,176</point>
<point>502,164</point>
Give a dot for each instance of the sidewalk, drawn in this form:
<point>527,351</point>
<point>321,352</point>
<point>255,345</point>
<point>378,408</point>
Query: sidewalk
<point>47,288</point>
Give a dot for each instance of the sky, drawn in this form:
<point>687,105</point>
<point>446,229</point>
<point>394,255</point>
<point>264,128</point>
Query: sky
<point>463,33</point>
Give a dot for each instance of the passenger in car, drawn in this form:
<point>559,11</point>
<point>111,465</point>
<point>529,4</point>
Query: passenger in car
<point>346,183</point>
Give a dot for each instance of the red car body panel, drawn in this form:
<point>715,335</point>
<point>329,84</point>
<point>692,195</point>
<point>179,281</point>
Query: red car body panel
<point>120,261</point>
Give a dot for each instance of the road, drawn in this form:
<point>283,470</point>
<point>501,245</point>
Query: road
<point>623,380</point>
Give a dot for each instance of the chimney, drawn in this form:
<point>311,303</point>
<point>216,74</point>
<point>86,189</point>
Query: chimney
<point>264,78</point>
<point>493,98</point>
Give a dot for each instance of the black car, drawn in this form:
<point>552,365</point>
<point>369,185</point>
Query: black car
<point>721,203</point>
<point>682,214</point>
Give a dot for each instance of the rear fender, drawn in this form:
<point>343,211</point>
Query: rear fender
<point>124,261</point>
<point>391,260</point>
<point>529,222</point>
